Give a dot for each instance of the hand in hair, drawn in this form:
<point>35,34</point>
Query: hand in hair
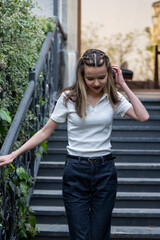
<point>118,74</point>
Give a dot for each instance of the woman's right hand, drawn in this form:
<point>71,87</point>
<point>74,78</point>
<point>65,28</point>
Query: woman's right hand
<point>7,159</point>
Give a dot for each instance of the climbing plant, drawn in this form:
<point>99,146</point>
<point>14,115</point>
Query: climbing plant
<point>21,37</point>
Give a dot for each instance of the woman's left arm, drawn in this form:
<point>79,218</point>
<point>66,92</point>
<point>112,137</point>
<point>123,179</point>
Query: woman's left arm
<point>138,111</point>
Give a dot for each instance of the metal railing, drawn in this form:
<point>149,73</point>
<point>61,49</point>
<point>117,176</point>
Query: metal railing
<point>39,98</point>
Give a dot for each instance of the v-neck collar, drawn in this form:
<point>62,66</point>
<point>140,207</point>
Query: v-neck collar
<point>104,96</point>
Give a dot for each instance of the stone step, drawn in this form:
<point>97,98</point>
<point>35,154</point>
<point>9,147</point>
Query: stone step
<point>48,182</point>
<point>138,170</point>
<point>123,199</point>
<point>117,142</point>
<point>153,121</point>
<point>60,231</point>
<point>137,200</point>
<point>122,155</point>
<point>142,170</point>
<point>131,216</point>
<point>124,184</point>
<point>138,184</point>
<point>153,110</point>
<point>136,143</point>
<point>119,121</point>
<point>135,131</point>
<point>125,131</point>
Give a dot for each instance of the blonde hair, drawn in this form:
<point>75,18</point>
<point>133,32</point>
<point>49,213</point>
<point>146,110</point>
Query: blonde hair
<point>78,92</point>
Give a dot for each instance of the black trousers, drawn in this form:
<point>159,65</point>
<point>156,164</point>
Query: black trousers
<point>89,191</point>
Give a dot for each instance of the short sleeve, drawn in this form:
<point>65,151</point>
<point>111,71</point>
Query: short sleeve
<point>122,107</point>
<point>60,111</point>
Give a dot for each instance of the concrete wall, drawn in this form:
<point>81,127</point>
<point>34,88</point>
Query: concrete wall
<point>46,8</point>
<point>68,17</point>
<point>67,14</point>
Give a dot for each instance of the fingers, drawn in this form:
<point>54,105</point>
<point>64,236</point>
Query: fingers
<point>4,160</point>
<point>118,73</point>
<point>116,68</point>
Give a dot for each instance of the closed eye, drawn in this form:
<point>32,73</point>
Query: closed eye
<point>90,79</point>
<point>102,77</point>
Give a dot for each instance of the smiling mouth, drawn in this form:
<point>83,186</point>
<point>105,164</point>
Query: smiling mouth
<point>96,87</point>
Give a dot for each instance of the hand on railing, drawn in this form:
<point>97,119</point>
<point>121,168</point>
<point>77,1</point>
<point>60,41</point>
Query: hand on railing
<point>7,159</point>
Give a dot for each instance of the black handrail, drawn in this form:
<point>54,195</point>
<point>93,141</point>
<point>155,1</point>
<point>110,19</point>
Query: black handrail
<point>39,97</point>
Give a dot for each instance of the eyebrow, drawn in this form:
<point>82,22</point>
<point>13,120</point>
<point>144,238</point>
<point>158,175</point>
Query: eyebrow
<point>92,76</point>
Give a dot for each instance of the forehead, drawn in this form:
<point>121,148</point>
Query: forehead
<point>92,71</point>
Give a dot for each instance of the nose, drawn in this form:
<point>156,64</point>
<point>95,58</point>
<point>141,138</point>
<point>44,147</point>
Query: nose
<point>96,82</point>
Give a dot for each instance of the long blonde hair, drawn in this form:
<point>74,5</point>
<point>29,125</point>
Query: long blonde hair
<point>77,93</point>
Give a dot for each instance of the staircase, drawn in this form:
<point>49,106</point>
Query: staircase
<point>137,210</point>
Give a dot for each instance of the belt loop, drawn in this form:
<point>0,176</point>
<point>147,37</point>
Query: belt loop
<point>79,159</point>
<point>102,160</point>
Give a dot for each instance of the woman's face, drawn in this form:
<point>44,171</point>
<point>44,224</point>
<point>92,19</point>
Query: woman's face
<point>95,78</point>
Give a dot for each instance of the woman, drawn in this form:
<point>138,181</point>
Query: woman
<point>90,180</point>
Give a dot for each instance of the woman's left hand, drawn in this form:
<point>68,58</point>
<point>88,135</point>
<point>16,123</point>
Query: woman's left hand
<point>118,74</point>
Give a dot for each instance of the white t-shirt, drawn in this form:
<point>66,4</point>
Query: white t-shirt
<point>90,136</point>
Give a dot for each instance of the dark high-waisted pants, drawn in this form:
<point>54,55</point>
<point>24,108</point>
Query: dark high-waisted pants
<point>89,191</point>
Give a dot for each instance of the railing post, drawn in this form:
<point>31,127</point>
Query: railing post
<point>56,48</point>
<point>56,60</point>
<point>55,7</point>
<point>156,77</point>
<point>32,76</point>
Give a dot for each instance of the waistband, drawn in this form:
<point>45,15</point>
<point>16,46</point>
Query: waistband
<point>94,159</point>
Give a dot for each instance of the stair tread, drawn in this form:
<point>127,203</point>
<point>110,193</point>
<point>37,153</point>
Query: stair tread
<point>139,165</point>
<point>119,139</point>
<point>155,211</point>
<point>136,151</point>
<point>118,117</point>
<point>48,178</point>
<point>142,128</point>
<point>136,139</point>
<point>153,107</point>
<point>139,180</point>
<point>117,164</point>
<point>131,128</point>
<point>137,195</point>
<point>120,180</point>
<point>57,228</point>
<point>47,192</point>
<point>116,151</point>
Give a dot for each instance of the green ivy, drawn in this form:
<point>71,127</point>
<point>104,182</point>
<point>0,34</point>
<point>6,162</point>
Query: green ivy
<point>21,38</point>
<point>19,181</point>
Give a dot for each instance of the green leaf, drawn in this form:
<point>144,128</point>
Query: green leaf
<point>12,166</point>
<point>22,174</point>
<point>24,188</point>
<point>22,201</point>
<point>39,153</point>
<point>38,106</point>
<point>23,233</point>
<point>44,146</point>
<point>5,115</point>
<point>32,221</point>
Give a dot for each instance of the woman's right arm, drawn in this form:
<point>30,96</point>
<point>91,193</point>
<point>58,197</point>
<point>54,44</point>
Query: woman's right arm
<point>34,141</point>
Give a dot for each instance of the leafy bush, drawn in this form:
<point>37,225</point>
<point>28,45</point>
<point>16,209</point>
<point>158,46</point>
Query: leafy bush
<point>21,38</point>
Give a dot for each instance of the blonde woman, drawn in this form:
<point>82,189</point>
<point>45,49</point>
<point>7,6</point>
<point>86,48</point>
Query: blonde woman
<point>90,179</point>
